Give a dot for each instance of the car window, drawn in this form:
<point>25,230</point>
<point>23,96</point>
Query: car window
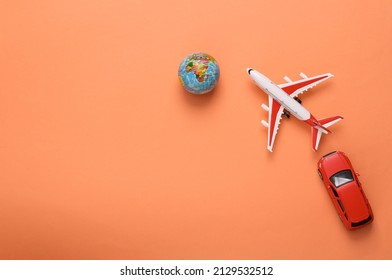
<point>334,191</point>
<point>341,205</point>
<point>341,178</point>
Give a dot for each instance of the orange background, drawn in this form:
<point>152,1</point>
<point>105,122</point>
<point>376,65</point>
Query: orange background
<point>104,156</point>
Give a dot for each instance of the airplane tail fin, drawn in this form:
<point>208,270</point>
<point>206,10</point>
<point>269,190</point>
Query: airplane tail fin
<point>322,127</point>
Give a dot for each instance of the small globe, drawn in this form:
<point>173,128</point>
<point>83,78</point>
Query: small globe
<point>199,73</point>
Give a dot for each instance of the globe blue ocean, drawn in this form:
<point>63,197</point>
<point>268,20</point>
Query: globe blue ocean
<point>199,73</point>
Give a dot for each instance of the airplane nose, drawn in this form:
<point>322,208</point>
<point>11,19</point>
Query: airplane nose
<point>249,70</point>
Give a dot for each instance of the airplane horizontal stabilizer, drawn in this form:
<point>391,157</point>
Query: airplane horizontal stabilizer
<point>318,130</point>
<point>327,122</point>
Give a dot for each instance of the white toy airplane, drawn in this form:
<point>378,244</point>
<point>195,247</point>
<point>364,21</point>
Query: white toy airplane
<point>284,97</point>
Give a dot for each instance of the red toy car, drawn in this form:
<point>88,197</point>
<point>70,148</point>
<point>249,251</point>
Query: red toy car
<point>345,190</point>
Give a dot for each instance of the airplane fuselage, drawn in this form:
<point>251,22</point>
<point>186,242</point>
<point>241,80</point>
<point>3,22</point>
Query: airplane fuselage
<point>289,103</point>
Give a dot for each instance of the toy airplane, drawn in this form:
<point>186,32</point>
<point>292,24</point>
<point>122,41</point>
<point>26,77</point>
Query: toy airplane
<point>283,100</point>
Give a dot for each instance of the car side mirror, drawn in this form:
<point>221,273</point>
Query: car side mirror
<point>357,174</point>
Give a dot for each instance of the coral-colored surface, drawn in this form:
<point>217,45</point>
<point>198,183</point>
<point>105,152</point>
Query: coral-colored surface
<point>103,155</point>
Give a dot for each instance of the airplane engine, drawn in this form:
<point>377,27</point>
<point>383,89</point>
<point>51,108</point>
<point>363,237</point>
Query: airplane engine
<point>303,76</point>
<point>263,122</point>
<point>265,107</point>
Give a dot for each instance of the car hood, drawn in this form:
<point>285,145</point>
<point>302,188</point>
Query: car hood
<point>334,164</point>
<point>354,202</point>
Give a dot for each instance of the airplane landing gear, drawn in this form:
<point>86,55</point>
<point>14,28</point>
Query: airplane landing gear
<point>298,100</point>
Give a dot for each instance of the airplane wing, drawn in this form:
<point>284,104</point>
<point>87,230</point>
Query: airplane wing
<point>296,88</point>
<point>275,111</point>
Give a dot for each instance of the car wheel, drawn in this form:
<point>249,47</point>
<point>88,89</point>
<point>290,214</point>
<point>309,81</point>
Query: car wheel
<point>321,175</point>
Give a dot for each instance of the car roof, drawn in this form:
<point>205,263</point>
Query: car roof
<point>353,201</point>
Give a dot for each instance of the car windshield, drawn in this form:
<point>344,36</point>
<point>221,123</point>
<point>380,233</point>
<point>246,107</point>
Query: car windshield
<point>341,178</point>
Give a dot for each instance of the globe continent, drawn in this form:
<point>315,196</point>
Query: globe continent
<point>199,73</point>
